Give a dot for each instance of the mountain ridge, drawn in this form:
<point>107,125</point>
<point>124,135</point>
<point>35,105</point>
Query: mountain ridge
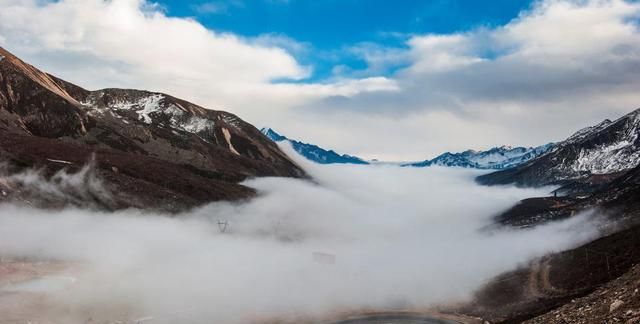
<point>501,157</point>
<point>313,152</point>
<point>606,148</point>
<point>122,127</point>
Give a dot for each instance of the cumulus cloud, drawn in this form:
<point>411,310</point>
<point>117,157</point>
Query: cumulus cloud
<point>358,237</point>
<point>133,43</point>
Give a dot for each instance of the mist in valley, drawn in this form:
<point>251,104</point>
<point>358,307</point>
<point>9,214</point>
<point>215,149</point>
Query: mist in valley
<point>356,237</point>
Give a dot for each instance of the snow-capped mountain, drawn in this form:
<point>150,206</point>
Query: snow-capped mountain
<point>155,149</point>
<point>497,158</point>
<point>606,148</point>
<point>313,152</point>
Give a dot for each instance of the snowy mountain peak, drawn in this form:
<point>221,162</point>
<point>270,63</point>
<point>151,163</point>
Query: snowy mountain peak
<point>313,152</point>
<point>585,132</point>
<point>496,158</point>
<point>606,148</point>
<point>273,135</point>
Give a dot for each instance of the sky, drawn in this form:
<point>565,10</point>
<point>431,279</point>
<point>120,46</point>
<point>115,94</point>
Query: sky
<point>330,27</point>
<point>403,80</point>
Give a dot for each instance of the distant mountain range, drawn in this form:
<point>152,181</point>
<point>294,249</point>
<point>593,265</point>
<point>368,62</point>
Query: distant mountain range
<point>589,155</point>
<point>497,158</point>
<point>313,152</point>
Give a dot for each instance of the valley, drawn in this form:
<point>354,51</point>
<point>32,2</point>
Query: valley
<point>142,182</point>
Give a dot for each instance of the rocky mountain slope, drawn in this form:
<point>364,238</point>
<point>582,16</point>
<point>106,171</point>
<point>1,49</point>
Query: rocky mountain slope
<point>313,152</point>
<point>560,280</point>
<point>564,287</point>
<point>610,147</point>
<point>158,150</point>
<point>497,158</point>
<point>616,302</point>
<point>599,166</point>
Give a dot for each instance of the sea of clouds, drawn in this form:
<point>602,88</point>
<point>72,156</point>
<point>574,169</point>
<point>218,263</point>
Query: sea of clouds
<point>355,237</point>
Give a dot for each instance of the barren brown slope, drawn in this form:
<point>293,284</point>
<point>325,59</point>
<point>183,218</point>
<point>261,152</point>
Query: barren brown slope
<point>43,118</point>
<point>555,280</point>
<point>616,302</point>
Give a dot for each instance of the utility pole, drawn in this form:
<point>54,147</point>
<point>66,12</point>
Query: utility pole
<point>222,225</point>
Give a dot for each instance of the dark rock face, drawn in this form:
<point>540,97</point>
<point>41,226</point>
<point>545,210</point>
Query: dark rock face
<point>607,148</point>
<point>161,146</point>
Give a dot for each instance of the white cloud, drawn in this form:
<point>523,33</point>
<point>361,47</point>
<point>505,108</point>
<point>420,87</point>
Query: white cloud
<point>132,43</point>
<point>559,66</point>
<point>572,30</point>
<point>556,68</point>
<point>394,247</point>
<point>144,38</point>
<point>216,7</point>
<point>438,53</point>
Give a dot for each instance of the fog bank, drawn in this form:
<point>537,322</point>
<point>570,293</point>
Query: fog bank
<point>356,237</point>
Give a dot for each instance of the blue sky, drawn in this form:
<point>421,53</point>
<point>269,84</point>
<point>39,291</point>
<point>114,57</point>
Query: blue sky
<point>329,27</point>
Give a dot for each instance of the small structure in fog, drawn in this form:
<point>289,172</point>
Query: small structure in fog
<point>323,258</point>
<point>223,225</point>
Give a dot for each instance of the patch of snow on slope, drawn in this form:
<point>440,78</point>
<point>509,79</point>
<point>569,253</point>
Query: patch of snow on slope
<point>620,152</point>
<point>180,119</point>
<point>149,105</point>
<point>585,132</point>
<point>231,120</point>
<point>197,124</point>
<point>497,155</point>
<point>175,112</point>
<point>607,159</point>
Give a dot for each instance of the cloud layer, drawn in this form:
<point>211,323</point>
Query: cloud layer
<point>559,66</point>
<point>401,238</point>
